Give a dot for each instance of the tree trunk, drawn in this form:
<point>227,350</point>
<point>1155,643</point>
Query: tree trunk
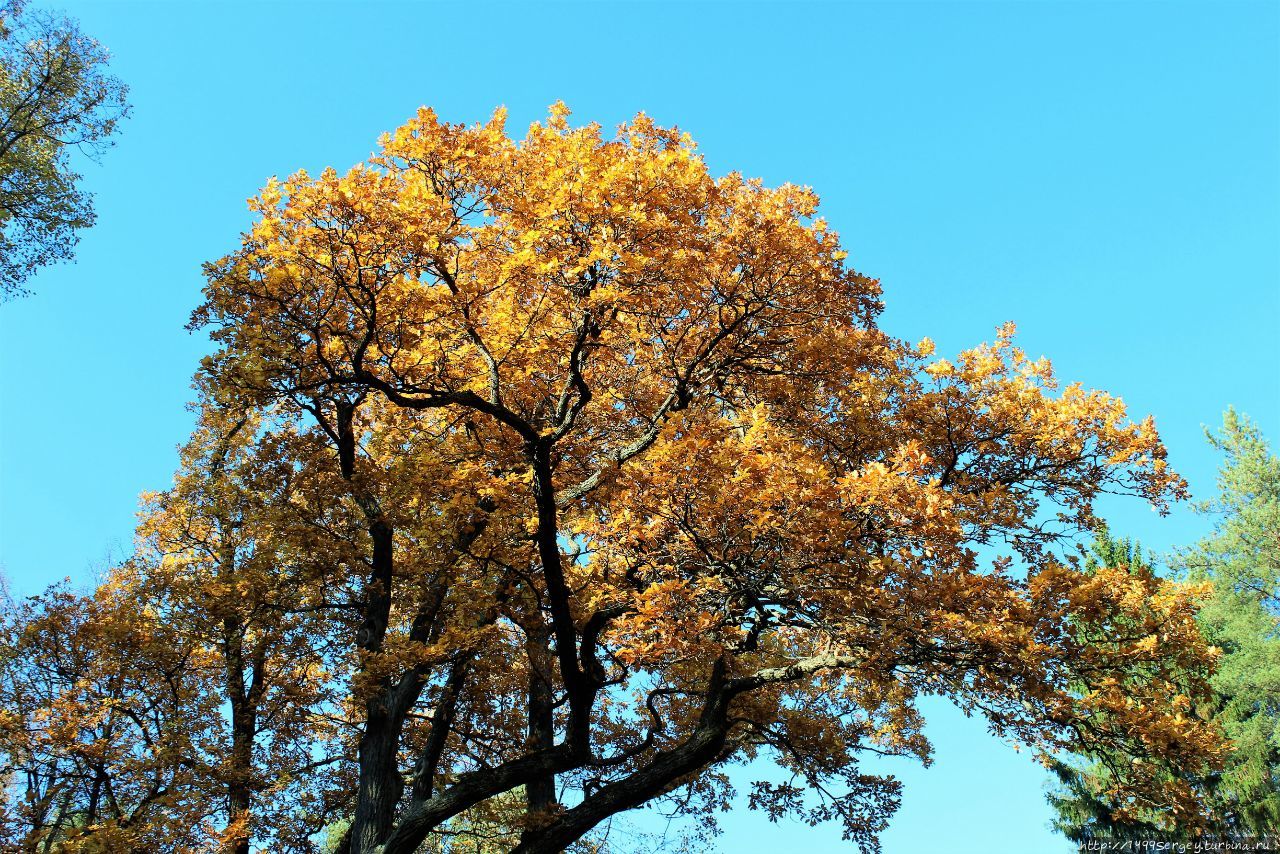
<point>540,793</point>
<point>244,724</point>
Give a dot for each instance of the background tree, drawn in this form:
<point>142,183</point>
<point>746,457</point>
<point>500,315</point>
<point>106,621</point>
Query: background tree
<point>212,565</point>
<point>55,98</point>
<point>103,713</point>
<point>1241,617</point>
<point>1241,558</point>
<point>188,703</point>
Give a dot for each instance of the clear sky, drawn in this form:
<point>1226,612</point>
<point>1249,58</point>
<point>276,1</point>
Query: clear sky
<point>1107,175</point>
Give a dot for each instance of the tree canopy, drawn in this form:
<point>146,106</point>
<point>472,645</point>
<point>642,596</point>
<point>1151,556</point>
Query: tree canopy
<point>56,97</point>
<point>538,480</point>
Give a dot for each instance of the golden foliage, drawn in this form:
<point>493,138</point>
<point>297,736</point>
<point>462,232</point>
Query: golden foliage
<point>568,464</point>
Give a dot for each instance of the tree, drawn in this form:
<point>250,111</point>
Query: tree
<point>1241,558</point>
<point>212,562</point>
<point>182,705</point>
<point>1240,562</point>
<point>55,97</point>
<point>587,475</point>
<point>592,345</point>
<point>102,706</point>
<point>1087,798</point>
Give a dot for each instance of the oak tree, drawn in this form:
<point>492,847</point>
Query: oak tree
<point>686,503</point>
<point>577,475</point>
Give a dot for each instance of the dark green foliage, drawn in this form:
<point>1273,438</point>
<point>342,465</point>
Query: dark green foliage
<point>1242,617</point>
<point>1083,809</point>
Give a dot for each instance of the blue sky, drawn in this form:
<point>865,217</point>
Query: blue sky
<point>1107,175</point>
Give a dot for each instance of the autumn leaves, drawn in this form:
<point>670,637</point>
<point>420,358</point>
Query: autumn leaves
<point>564,468</point>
